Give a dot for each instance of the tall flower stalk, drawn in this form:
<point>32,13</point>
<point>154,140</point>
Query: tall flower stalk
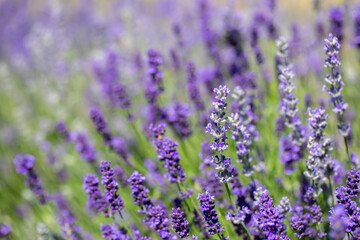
<point>217,128</point>
<point>335,85</point>
<point>288,106</point>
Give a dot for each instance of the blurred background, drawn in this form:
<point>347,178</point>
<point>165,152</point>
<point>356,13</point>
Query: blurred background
<point>48,50</point>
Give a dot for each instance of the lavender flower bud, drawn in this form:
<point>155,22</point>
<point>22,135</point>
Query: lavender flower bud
<point>180,224</point>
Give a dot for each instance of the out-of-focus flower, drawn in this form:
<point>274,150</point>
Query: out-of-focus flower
<point>24,165</point>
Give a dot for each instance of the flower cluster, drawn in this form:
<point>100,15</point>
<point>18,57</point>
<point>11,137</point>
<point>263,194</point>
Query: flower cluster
<point>270,220</point>
<point>192,87</point>
<point>154,86</point>
<point>167,153</point>
<point>288,107</point>
<point>319,164</point>
<point>345,198</point>
<point>178,118</point>
<point>113,232</point>
<point>336,16</point>
<point>305,221</point>
<point>180,224</point>
<point>139,191</point>
<point>107,75</point>
<point>24,165</point>
<point>96,200</point>
<point>331,48</point>
<point>207,205</point>
<point>217,128</point>
<point>116,204</point>
<point>82,146</point>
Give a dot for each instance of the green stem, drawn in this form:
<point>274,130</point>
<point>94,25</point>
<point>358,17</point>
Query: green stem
<point>347,147</point>
<point>125,225</point>
<point>186,203</point>
<point>331,192</point>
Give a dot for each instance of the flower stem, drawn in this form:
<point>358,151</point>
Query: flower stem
<point>125,225</point>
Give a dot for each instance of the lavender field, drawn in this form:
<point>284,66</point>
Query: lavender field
<point>169,119</point>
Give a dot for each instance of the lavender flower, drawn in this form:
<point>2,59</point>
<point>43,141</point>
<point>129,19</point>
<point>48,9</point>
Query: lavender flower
<point>288,107</point>
<point>193,91</point>
<point>207,205</point>
<point>112,232</point>
<point>319,163</point>
<point>217,128</point>
<point>356,40</point>
<point>108,77</point>
<point>178,118</point>
<point>167,153</point>
<point>100,125</point>
<point>331,48</point>
<point>139,191</point>
<point>111,187</point>
<point>209,182</point>
<point>345,196</point>
<point>338,220</point>
<point>180,224</point>
<point>96,201</point>
<point>269,219</point>
<point>24,165</point>
<point>158,221</point>
<point>62,129</point>
<point>86,150</point>
<point>154,83</point>
<point>5,230</point>
<point>305,219</point>
<point>290,154</point>
<point>336,16</point>
<point>116,144</point>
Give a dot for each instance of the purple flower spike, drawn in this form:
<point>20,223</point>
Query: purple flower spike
<point>178,118</point>
<point>96,201</point>
<point>332,48</point>
<point>82,146</point>
<point>101,125</point>
<point>207,205</point>
<point>158,221</point>
<point>111,187</point>
<point>113,232</point>
<point>139,191</point>
<point>217,128</point>
<point>336,16</point>
<point>62,129</point>
<point>193,91</point>
<point>154,83</point>
<point>338,220</point>
<point>167,153</point>
<point>180,224</point>
<point>24,165</point>
<point>269,218</point>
